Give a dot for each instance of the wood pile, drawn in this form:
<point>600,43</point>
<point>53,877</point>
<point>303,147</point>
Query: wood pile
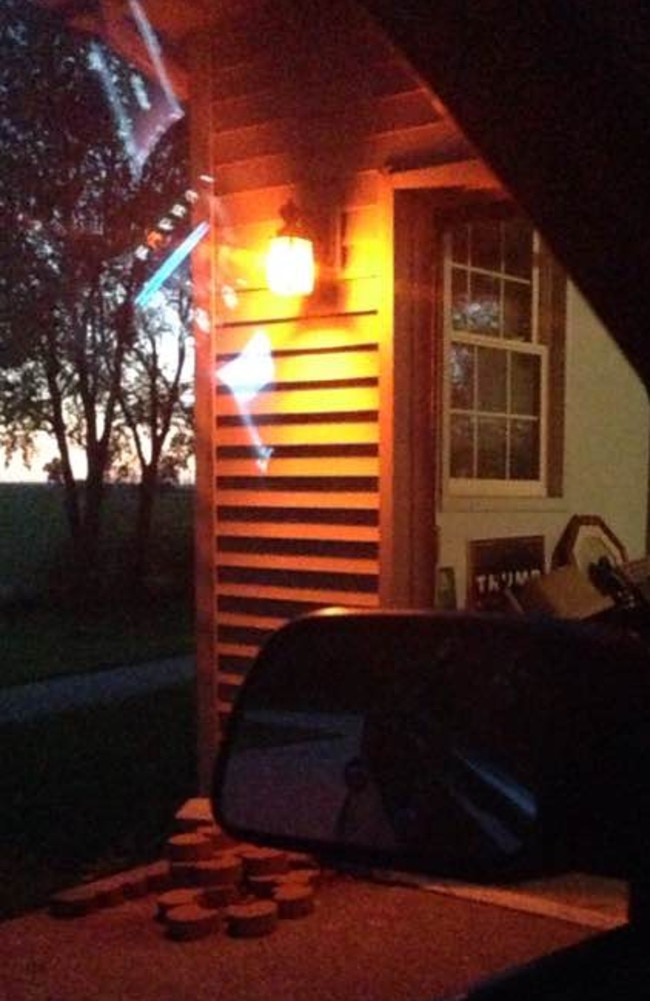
<point>207,883</point>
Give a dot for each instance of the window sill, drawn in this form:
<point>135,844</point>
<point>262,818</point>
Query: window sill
<point>450,503</point>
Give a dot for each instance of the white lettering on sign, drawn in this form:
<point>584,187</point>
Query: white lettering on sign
<point>491,583</point>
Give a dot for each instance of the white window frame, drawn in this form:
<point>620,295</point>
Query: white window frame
<point>484,487</point>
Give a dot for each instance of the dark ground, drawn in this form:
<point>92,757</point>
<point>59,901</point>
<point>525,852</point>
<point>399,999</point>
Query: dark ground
<point>93,784</point>
<point>364,942</point>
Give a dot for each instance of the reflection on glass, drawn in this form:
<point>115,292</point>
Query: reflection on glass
<point>310,751</point>
<point>491,448</point>
<point>517,311</point>
<point>154,48</point>
<point>517,248</point>
<point>492,380</point>
<point>462,446</point>
<point>459,299</point>
<point>524,450</point>
<point>483,309</point>
<point>486,245</point>
<point>414,734</point>
<point>461,376</point>
<point>460,243</point>
<point>390,778</point>
<point>524,383</point>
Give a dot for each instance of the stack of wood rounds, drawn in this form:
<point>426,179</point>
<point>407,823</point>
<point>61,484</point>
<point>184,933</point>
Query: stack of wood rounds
<point>241,888</point>
<point>111,892</point>
<point>207,883</point>
<point>176,898</point>
<point>74,903</point>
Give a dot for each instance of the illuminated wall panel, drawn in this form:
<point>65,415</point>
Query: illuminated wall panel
<point>295,464</point>
<point>297,475</point>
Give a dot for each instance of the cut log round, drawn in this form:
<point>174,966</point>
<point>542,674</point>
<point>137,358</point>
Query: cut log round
<point>189,848</point>
<point>223,868</point>
<point>176,898</point>
<point>74,903</point>
<point>263,861</point>
<point>294,901</point>
<point>252,920</point>
<point>190,922</point>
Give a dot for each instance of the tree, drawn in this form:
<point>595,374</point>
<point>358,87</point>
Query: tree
<point>156,407</point>
<point>75,207</point>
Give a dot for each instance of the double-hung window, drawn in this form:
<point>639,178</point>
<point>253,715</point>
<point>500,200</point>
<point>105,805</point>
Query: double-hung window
<point>496,359</point>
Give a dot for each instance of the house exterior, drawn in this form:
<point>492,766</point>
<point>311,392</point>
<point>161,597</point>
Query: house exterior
<point>443,386</point>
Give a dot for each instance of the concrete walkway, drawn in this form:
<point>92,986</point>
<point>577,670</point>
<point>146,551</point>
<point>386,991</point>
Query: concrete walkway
<point>24,703</point>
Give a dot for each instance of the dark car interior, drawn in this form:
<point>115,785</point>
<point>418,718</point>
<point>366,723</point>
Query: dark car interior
<point>556,97</point>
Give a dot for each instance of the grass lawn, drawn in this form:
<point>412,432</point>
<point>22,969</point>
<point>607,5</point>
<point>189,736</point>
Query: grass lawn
<point>93,789</point>
<point>42,637</point>
<point>41,643</point>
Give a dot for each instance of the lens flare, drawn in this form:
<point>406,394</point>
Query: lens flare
<point>153,47</point>
<point>251,370</point>
<point>246,376</point>
<point>169,265</point>
<point>143,110</point>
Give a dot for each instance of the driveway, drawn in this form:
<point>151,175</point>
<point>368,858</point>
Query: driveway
<point>25,703</point>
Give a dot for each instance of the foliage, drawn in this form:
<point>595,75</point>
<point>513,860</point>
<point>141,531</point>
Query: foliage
<point>76,360</point>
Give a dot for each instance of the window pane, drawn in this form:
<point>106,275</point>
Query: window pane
<point>491,448</point>
<point>461,460</point>
<point>461,376</point>
<point>483,309</point>
<point>460,243</point>
<point>525,379</point>
<point>517,311</point>
<point>459,299</point>
<point>524,450</point>
<point>518,248</point>
<point>486,245</point>
<point>492,380</point>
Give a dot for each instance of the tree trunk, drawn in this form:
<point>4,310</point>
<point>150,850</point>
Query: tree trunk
<point>144,522</point>
<point>86,576</point>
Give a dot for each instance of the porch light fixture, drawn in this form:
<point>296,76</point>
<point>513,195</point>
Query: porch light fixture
<point>290,265</point>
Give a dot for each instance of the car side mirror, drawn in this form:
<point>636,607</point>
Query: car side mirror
<point>474,746</point>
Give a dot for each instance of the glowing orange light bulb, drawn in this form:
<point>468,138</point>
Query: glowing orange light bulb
<point>290,264</point>
<point>290,267</point>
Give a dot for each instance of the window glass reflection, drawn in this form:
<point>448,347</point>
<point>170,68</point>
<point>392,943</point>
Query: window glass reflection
<point>524,450</point>
<point>491,448</point>
<point>462,446</point>
<point>524,383</point>
<point>462,376</point>
<point>492,380</point>
<point>517,311</point>
<point>459,299</point>
<point>483,309</point>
